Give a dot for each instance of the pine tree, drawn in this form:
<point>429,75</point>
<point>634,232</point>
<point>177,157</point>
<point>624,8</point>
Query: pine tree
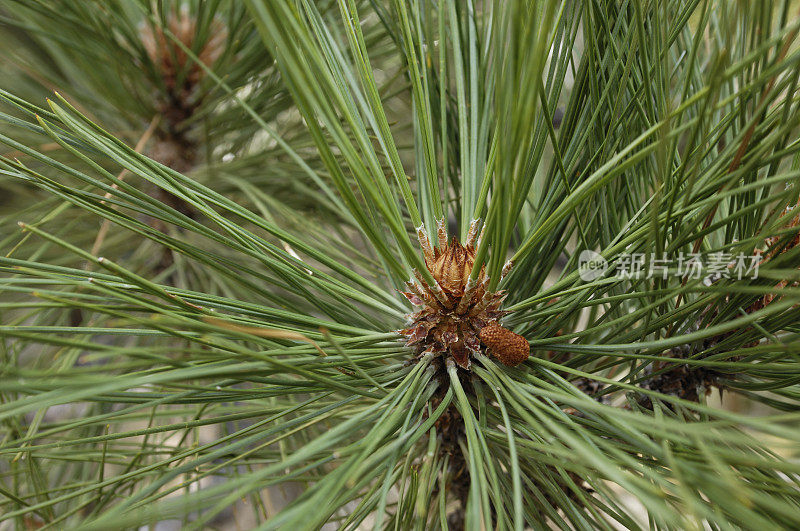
<point>402,264</point>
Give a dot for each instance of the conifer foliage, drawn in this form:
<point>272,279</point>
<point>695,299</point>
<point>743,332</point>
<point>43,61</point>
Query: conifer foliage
<point>279,264</point>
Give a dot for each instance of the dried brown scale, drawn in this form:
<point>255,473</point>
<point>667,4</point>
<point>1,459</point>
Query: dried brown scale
<point>452,313</point>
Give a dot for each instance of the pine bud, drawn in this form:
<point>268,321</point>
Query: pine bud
<point>508,347</point>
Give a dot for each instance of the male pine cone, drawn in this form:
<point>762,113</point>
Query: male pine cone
<point>508,347</point>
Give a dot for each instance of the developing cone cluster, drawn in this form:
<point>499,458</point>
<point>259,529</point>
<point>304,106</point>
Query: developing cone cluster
<point>455,316</point>
<point>171,60</point>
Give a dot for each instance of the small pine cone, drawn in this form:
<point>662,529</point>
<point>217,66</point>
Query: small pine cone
<point>508,347</point>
